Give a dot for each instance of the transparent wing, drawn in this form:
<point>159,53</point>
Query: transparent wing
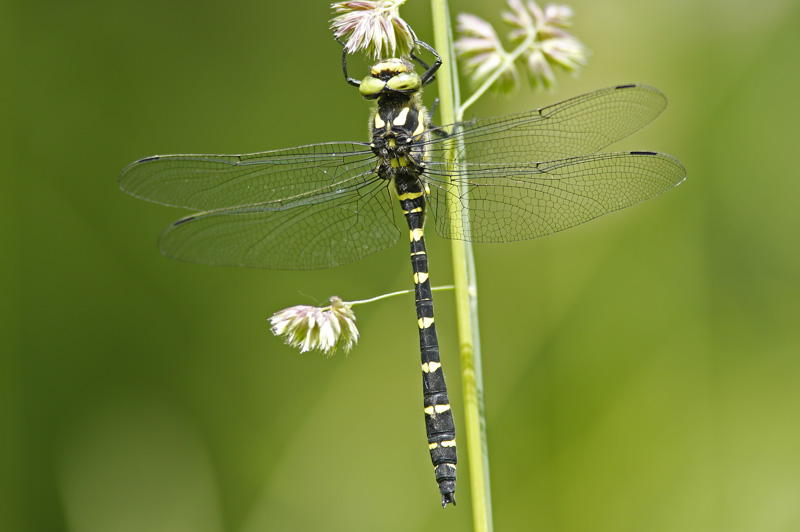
<point>508,202</point>
<point>210,182</point>
<point>315,231</point>
<point>578,126</point>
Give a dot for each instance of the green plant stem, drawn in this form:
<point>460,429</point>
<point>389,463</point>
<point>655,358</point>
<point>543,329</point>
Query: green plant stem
<point>465,289</point>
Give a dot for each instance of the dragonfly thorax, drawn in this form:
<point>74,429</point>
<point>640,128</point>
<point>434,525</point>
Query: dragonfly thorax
<point>398,130</point>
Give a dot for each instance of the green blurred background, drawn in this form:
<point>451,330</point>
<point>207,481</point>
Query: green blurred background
<point>642,371</point>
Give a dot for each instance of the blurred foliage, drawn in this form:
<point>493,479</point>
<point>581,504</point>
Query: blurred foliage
<point>642,371</point>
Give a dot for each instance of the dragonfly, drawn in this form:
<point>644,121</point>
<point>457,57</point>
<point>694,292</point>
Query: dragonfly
<point>510,178</point>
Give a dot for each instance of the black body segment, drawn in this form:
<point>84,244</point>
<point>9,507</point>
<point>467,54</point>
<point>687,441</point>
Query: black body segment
<point>439,425</point>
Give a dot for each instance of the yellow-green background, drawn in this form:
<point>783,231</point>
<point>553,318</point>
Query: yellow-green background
<point>642,371</point>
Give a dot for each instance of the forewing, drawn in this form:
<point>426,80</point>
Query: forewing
<point>507,202</point>
<point>211,182</point>
<point>336,229</point>
<point>578,126</point>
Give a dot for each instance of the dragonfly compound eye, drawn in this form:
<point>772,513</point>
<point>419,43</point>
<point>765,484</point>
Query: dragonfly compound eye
<point>407,81</point>
<point>371,87</point>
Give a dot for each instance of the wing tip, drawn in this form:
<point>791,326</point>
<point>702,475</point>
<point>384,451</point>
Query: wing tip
<point>127,170</point>
<point>644,86</point>
<point>680,169</point>
<point>641,87</point>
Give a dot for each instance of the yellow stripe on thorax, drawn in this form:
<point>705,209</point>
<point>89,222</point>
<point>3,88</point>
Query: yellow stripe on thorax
<point>420,129</point>
<point>401,117</point>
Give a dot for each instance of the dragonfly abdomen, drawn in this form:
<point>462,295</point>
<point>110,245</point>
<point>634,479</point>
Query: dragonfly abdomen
<point>439,424</point>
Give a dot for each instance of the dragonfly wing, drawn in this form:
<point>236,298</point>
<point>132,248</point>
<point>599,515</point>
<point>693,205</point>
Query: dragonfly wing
<point>334,230</point>
<point>508,202</point>
<point>210,182</point>
<point>578,126</point>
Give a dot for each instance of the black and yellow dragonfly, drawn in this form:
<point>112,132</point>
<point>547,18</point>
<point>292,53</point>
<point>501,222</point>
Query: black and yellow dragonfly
<point>516,177</point>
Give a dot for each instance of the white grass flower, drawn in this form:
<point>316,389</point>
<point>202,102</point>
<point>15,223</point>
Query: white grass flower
<point>552,45</point>
<point>558,16</point>
<point>325,328</point>
<point>322,328</point>
<point>541,39</point>
<point>480,49</point>
<point>539,70</point>
<point>373,26</point>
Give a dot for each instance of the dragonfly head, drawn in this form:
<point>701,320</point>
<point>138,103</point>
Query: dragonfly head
<point>390,76</point>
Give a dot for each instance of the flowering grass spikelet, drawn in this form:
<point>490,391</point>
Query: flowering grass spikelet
<point>553,45</point>
<point>482,52</point>
<point>373,26</point>
<point>322,328</point>
<point>540,37</point>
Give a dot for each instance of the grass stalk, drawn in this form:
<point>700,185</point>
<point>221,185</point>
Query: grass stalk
<point>466,293</point>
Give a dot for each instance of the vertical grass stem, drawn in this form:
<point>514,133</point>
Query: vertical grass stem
<point>465,287</point>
